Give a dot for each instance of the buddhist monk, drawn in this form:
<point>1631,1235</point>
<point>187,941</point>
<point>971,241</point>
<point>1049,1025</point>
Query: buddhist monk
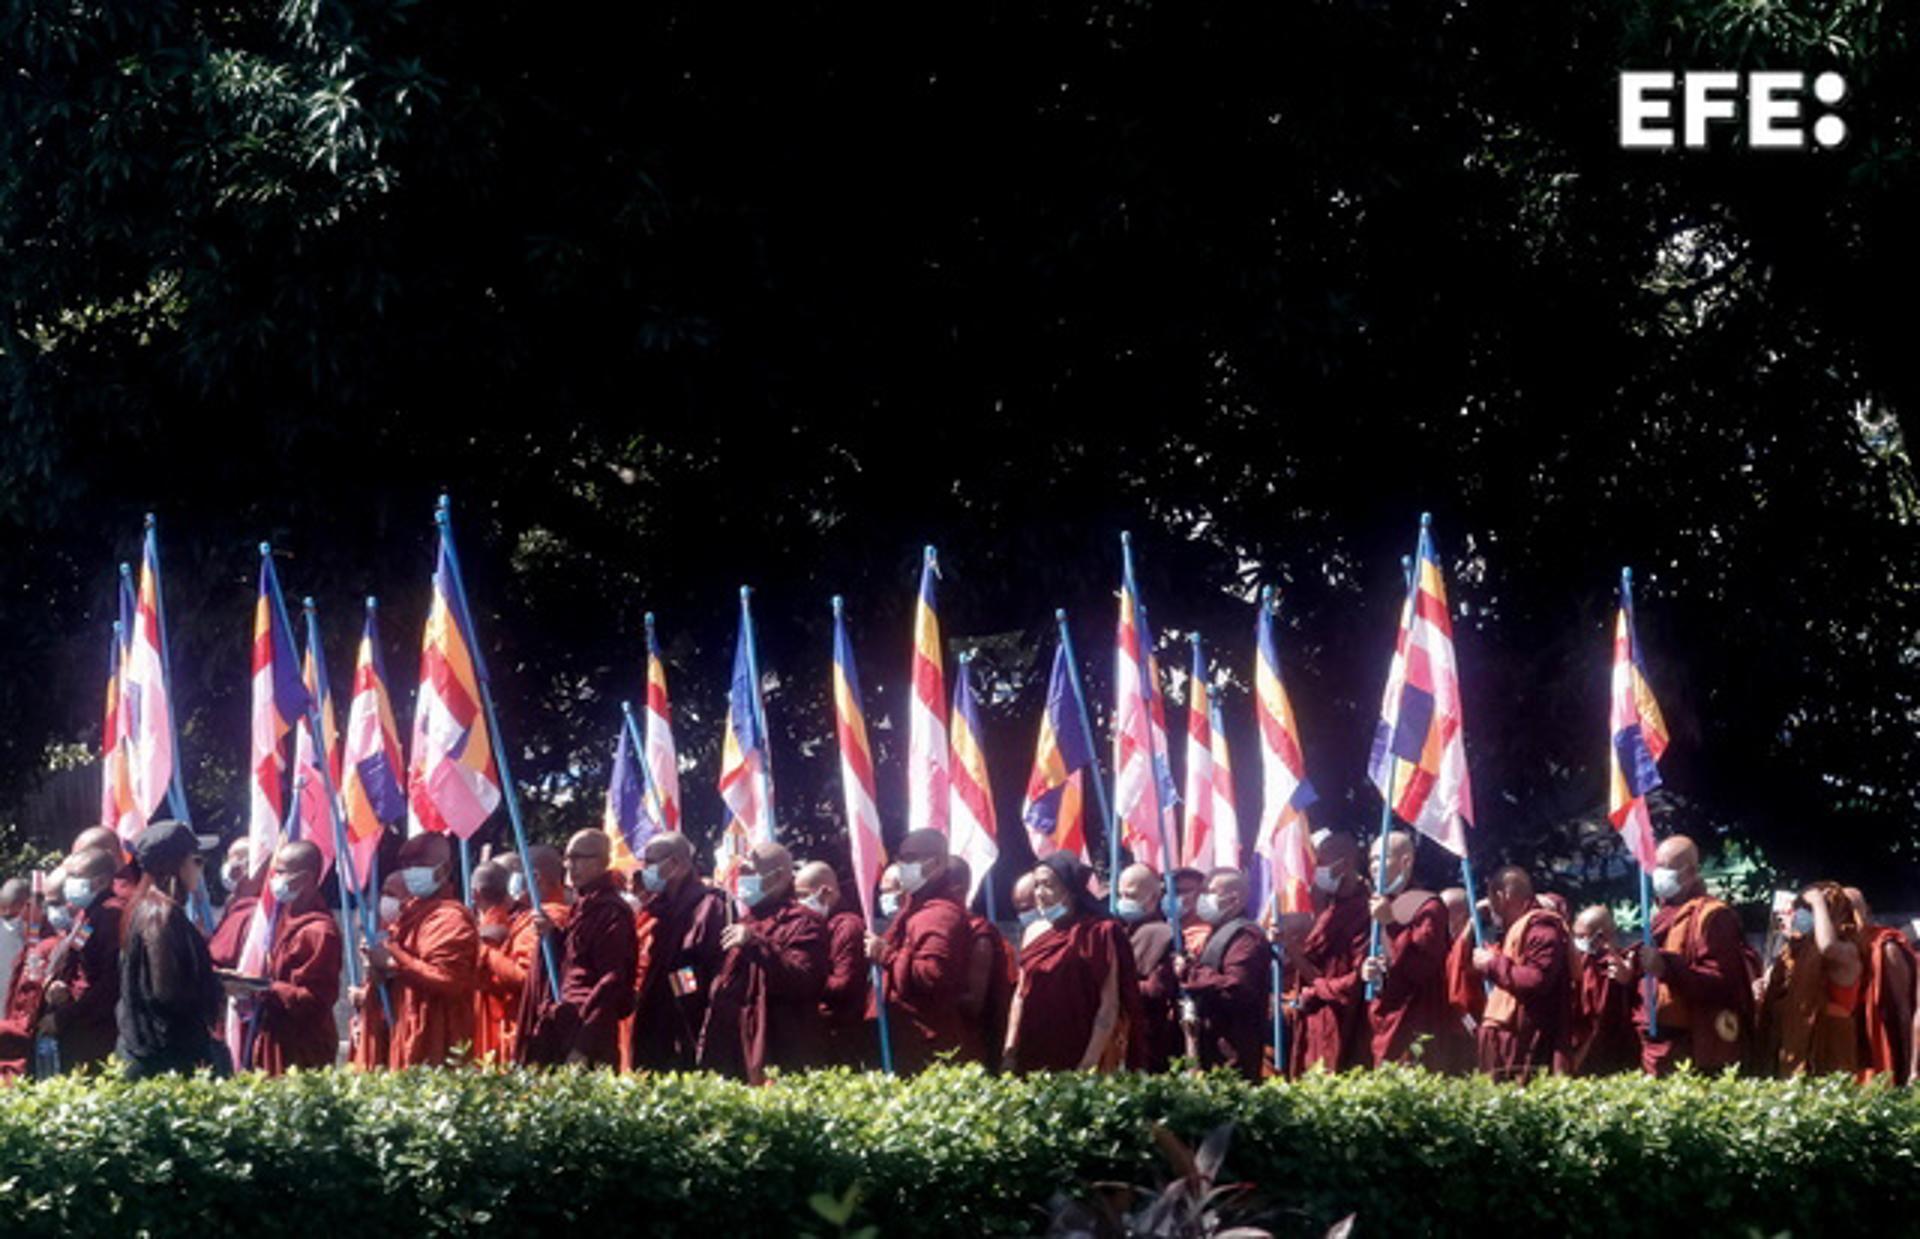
<point>1187,886</point>
<point>496,1004</point>
<point>1889,967</point>
<point>1333,1009</point>
<point>683,956</point>
<point>594,949</point>
<point>243,892</point>
<point>1142,905</point>
<point>25,998</point>
<point>1077,1007</point>
<point>1288,936</point>
<point>295,1026</point>
<point>1230,979</point>
<point>126,874</point>
<point>1529,1014</point>
<point>78,1006</point>
<point>1456,1049</point>
<point>431,962</point>
<point>1021,898</point>
<point>506,957</point>
<point>1459,910</point>
<point>765,1007</point>
<point>1705,997</point>
<point>1604,1041</point>
<point>369,1043</point>
<point>1809,1016</point>
<point>991,974</point>
<point>923,959</point>
<point>1410,1001</point>
<point>843,1003</point>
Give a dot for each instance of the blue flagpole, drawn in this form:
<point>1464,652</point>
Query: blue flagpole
<point>1171,898</point>
<point>1393,735</point>
<point>1278,980</point>
<point>1652,983</point>
<point>342,852</point>
<point>443,517</point>
<point>759,712</point>
<point>1093,759</point>
<point>647,788</point>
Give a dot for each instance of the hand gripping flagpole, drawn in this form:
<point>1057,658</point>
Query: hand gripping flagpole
<point>877,978</point>
<point>1393,735</point>
<point>443,517</point>
<point>759,717</point>
<point>1651,982</point>
<point>1171,898</point>
<point>1093,758</point>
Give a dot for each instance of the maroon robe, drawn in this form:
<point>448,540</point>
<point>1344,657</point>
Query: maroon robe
<point>843,1003</point>
<point>1455,1051</point>
<point>1604,1040</point>
<point>435,949</point>
<point>86,1027</point>
<point>296,1026</point>
<point>1528,1017</point>
<point>1706,996</point>
<point>595,954</point>
<point>1160,1038</point>
<point>23,1009</point>
<point>675,978</point>
<point>926,980</point>
<point>1063,974</point>
<point>1411,1002</point>
<point>231,933</point>
<point>1231,999</point>
<point>1333,1008</point>
<point>991,978</point>
<point>765,1007</point>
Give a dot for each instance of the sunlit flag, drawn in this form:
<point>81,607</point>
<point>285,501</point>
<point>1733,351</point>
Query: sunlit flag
<point>1639,735</point>
<point>370,764</point>
<point>1284,840</point>
<point>279,702</point>
<point>1197,847</point>
<point>1226,817</point>
<point>927,712</point>
<point>746,782</point>
<point>117,811</point>
<point>625,820</point>
<point>974,837</point>
<point>856,768</point>
<point>663,768</point>
<point>143,688</point>
<point>452,782</point>
<point>1054,808</point>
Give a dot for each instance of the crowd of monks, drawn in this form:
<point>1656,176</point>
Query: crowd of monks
<point>567,960</point>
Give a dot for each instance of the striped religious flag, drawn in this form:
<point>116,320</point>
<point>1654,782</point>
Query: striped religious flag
<point>926,712</point>
<point>1419,758</point>
<point>746,778</point>
<point>314,811</point>
<point>1197,847</point>
<point>453,785</point>
<point>1639,735</point>
<point>1054,808</point>
<point>143,692</point>
<point>1143,793</point>
<point>117,811</point>
<point>625,821</point>
<point>856,768</point>
<point>370,754</point>
<point>1284,841</point>
<point>662,762</point>
<point>1226,817</point>
<point>975,838</point>
<point>279,702</point>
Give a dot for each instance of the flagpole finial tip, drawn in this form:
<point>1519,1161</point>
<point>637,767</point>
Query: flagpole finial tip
<point>126,569</point>
<point>1060,614</point>
<point>1193,639</point>
<point>839,604</point>
<point>1426,520</point>
<point>1126,538</point>
<point>929,552</point>
<point>266,548</point>
<point>647,619</point>
<point>306,603</point>
<point>1626,574</point>
<point>372,603</point>
<point>146,522</point>
<point>746,591</point>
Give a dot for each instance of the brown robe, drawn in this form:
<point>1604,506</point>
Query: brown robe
<point>595,955</point>
<point>436,959</point>
<point>1886,1023</point>
<point>1604,1040</point>
<point>86,1027</point>
<point>1706,996</point>
<point>295,1026</point>
<point>1525,1028</point>
<point>1807,1025</point>
<point>926,980</point>
<point>495,1001</point>
<point>1333,1008</point>
<point>1161,1040</point>
<point>230,935</point>
<point>23,1009</point>
<point>1063,977</point>
<point>369,1044</point>
<point>843,1003</point>
<point>991,978</point>
<point>675,976</point>
<point>765,1007</point>
<point>1231,999</point>
<point>1455,1050</point>
<point>1411,1003</point>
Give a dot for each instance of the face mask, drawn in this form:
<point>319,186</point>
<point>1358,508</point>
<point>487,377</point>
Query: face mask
<point>282,889</point>
<point>1210,910</point>
<point>1666,882</point>
<point>912,876</point>
<point>652,879</point>
<point>389,907</point>
<point>1131,911</point>
<point>1395,886</point>
<point>1803,920</point>
<point>889,903</point>
<point>59,918</point>
<point>1325,880</point>
<point>1583,945</point>
<point>232,874</point>
<point>751,892</point>
<point>420,880</point>
<point>1029,917</point>
<point>79,891</point>
<point>815,903</point>
<point>1054,912</point>
<point>516,886</point>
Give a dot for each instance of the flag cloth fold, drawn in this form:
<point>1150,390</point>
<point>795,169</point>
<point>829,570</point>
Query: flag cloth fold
<point>1419,757</point>
<point>1639,738</point>
<point>626,822</point>
<point>856,771</point>
<point>745,783</point>
<point>973,835</point>
<point>316,815</point>
<point>1141,781</point>
<point>1196,846</point>
<point>370,766</point>
<point>1286,793</point>
<point>662,761</point>
<point>927,775</point>
<point>1226,817</point>
<point>143,690</point>
<point>279,702</point>
<point>1054,808</point>
<point>117,811</point>
<point>453,785</point>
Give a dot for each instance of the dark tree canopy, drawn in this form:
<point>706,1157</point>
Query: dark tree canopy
<point>776,295</point>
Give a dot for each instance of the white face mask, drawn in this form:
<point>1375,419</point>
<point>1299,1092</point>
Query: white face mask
<point>79,891</point>
<point>1666,882</point>
<point>752,890</point>
<point>912,875</point>
<point>282,889</point>
<point>652,879</point>
<point>1325,880</point>
<point>1029,917</point>
<point>816,903</point>
<point>889,903</point>
<point>59,917</point>
<point>232,875</point>
<point>1583,944</point>
<point>1210,910</point>
<point>420,880</point>
<point>516,886</point>
<point>1131,911</point>
<point>389,908</point>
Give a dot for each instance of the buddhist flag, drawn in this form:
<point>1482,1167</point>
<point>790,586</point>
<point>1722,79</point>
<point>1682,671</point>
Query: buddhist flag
<point>117,806</point>
<point>926,712</point>
<point>370,755</point>
<point>143,691</point>
<point>279,702</point>
<point>975,838</point>
<point>856,768</point>
<point>1639,735</point>
<point>452,783</point>
<point>662,763</point>
<point>1226,817</point>
<point>312,808</point>
<point>1285,792</point>
<point>746,780</point>
<point>1143,793</point>
<point>1196,848</point>
<point>1419,758</point>
<point>1054,809</point>
<point>625,821</point>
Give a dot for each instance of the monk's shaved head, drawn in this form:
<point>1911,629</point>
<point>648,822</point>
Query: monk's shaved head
<point>1594,920</point>
<point>428,848</point>
<point>97,839</point>
<point>509,861</point>
<point>14,893</point>
<point>1023,893</point>
<point>1141,884</point>
<point>668,845</point>
<point>770,858</point>
<point>923,845</point>
<point>816,879</point>
<point>1228,880</point>
<point>549,871</point>
<point>299,856</point>
<point>1677,852</point>
<point>92,863</point>
<point>488,884</point>
<point>588,856</point>
<point>1336,848</point>
<point>591,843</point>
<point>1229,891</point>
<point>1512,881</point>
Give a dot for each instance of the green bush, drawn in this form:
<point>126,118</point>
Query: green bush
<point>953,1152</point>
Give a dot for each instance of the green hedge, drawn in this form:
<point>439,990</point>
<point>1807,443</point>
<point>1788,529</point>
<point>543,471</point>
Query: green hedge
<point>954,1152</point>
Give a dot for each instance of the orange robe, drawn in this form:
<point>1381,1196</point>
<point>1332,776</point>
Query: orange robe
<point>436,965</point>
<point>495,1004</point>
<point>295,1027</point>
<point>1885,1028</point>
<point>368,1047</point>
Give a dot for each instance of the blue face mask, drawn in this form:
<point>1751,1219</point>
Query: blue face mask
<point>79,891</point>
<point>1029,917</point>
<point>750,890</point>
<point>59,918</point>
<point>1803,920</point>
<point>1131,911</point>
<point>1054,912</point>
<point>652,879</point>
<point>1395,886</point>
<point>420,880</point>
<point>516,886</point>
<point>889,904</point>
